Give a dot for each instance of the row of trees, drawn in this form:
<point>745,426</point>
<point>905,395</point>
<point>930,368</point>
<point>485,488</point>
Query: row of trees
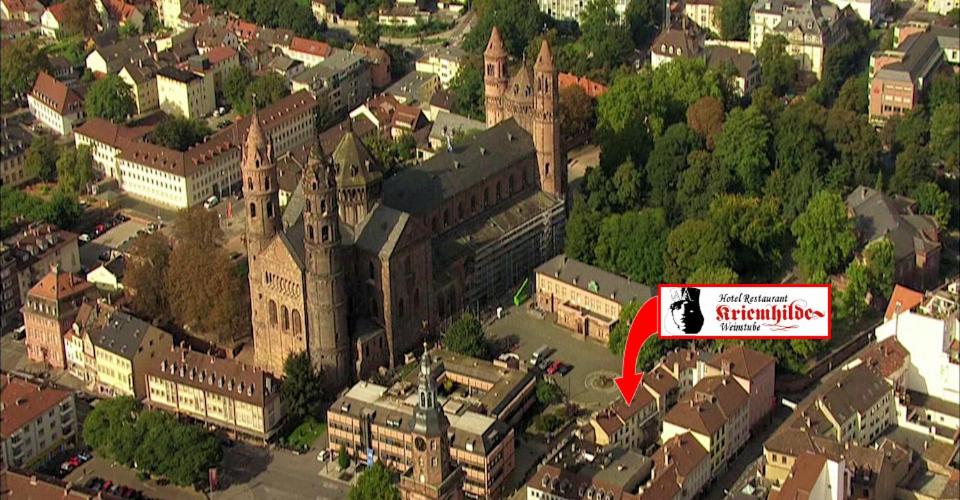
<point>155,441</point>
<point>294,15</point>
<point>193,283</point>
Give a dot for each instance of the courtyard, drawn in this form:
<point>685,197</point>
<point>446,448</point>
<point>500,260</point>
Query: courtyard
<point>589,383</point>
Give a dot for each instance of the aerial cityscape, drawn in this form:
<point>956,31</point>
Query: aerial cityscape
<point>487,249</point>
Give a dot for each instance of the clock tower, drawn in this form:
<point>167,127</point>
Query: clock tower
<point>433,475</point>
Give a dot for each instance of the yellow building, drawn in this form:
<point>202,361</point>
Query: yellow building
<point>123,347</point>
<point>443,62</point>
<point>634,426</point>
<point>141,76</point>
<point>704,13</point>
<point>185,93</point>
<point>216,391</point>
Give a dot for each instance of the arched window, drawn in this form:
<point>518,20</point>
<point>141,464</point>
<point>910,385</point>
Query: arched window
<point>325,233</point>
<point>309,206</point>
<point>250,183</point>
<point>486,197</point>
<point>285,313</point>
<point>270,209</point>
<point>297,328</point>
<point>272,308</point>
<point>310,236</point>
<point>323,206</point>
<point>546,169</point>
<point>446,217</point>
<point>253,210</point>
<point>372,271</point>
<point>266,184</point>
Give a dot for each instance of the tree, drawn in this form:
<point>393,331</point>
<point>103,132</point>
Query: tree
<point>468,91</point>
<point>577,116</point>
<point>852,302</point>
<point>234,85</point>
<point>912,168</point>
<point>668,157</point>
<point>644,18</point>
<point>180,132</point>
<point>75,169</point>
<point>41,160</point>
<point>108,428</point>
<point>733,17</point>
<point>945,134</point>
<point>301,391</point>
<point>720,275</point>
<point>944,89</point>
<point>931,200</point>
<point>777,69</point>
<point>20,62</point>
<point>603,37</point>
<point>753,226</point>
<point>854,95</point>
<point>368,31</point>
<point>684,81</point>
<point>199,227</point>
<point>143,277</point>
<point>825,235</point>
<point>546,423</point>
<point>517,20</point>
<point>701,182</point>
<point>80,17</point>
<point>706,117</point>
<point>742,145</point>
<point>633,244</point>
<point>859,148</point>
<point>692,245</point>
<point>628,103</point>
<point>376,483</point>
<point>343,458</point>
<point>549,393</point>
<point>62,209</point>
<point>582,232</point>
<point>880,260</point>
<point>110,99</point>
<point>264,91</point>
<point>465,336</point>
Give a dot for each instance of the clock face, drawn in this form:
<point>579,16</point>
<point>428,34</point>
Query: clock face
<point>420,443</point>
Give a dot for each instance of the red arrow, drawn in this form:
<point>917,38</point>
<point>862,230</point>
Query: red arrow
<point>644,325</point>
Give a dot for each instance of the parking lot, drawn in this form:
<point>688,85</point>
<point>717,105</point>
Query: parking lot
<point>589,383</point>
<point>118,474</point>
<point>113,239</point>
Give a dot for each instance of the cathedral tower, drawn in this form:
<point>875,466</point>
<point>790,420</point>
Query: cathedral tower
<point>551,159</point>
<point>328,337</point>
<point>359,179</point>
<point>260,189</point>
<point>494,77</point>
<point>434,476</point>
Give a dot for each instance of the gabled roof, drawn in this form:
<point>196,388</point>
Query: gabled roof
<point>312,47</point>
<point>58,10</point>
<point>878,215</point>
<point>59,286</point>
<point>380,231</point>
<point>682,451</point>
<point>856,392</point>
<point>594,280</point>
<point>903,299</point>
<point>55,94</point>
<point>24,401</point>
<point>742,362</point>
<point>355,165</point>
<point>803,477</point>
<point>887,356</point>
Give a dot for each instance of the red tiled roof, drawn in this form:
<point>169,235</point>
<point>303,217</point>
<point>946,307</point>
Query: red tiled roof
<point>311,47</point>
<point>18,6</point>
<point>220,54</point>
<point>109,133</point>
<point>590,87</point>
<point>119,9</point>
<point>55,94</point>
<point>21,484</point>
<point>803,477</point>
<point>742,362</point>
<point>905,297</point>
<point>24,401</point>
<point>243,29</point>
<point>682,451</point>
<point>58,285</point>
<point>226,377</point>
<point>888,356</point>
<point>58,10</point>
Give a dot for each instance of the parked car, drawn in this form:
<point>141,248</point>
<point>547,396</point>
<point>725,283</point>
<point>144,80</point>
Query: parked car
<point>84,238</point>
<point>20,333</point>
<point>554,367</point>
<point>323,455</point>
<point>211,202</point>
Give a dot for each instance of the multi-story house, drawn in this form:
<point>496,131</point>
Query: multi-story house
<point>681,469</point>
<point>685,41</point>
<point>754,371</point>
<point>9,289</point>
<point>443,62</point>
<point>311,52</point>
<point>571,10</point>
<point>32,253</point>
<point>14,142</point>
<point>28,11</point>
<point>56,106</point>
<point>870,11</point>
<point>704,13</point>
<point>123,347</point>
<point>52,20</point>
<point>38,421</point>
<point>224,393</point>
<point>185,93</point>
<point>860,406</point>
<point>716,413</point>
<point>379,62</point>
<point>585,299</point>
<point>141,75</point>
<point>636,425</point>
<point>740,66</point>
<point>49,312</point>
<point>342,77</point>
<point>810,28</point>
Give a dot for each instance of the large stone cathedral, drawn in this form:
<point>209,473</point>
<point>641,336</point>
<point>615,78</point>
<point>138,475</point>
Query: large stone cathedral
<point>359,267</point>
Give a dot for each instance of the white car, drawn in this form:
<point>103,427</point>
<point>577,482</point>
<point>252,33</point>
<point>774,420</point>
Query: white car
<point>211,202</point>
<point>323,455</point>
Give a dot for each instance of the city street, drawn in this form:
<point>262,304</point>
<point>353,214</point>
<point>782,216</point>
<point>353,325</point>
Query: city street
<point>251,472</point>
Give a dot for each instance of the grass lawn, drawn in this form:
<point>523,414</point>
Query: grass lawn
<point>306,433</point>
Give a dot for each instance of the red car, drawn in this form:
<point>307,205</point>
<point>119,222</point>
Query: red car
<point>554,367</point>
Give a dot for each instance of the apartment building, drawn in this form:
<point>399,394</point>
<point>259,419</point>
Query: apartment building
<point>681,470</point>
<point>55,106</point>
<point>38,421</point>
<point>28,11</point>
<point>48,314</point>
<point>180,179</point>
<point>141,76</point>
<point>635,426</point>
<point>221,392</point>
<point>310,52</point>
<point>379,62</point>
<point>342,77</point>
<point>110,58</point>
<point>754,371</point>
<point>740,64</point>
<point>14,143</point>
<point>716,413</point>
<point>810,28</point>
<point>899,77</point>
<point>36,250</point>
<point>185,93</point>
<point>124,346</point>
<point>870,11</point>
<point>677,42</point>
<point>929,333</point>
<point>443,62</point>
<point>585,299</point>
<point>483,404</point>
<point>571,10</point>
<point>704,13</point>
<point>617,475</point>
<point>9,289</point>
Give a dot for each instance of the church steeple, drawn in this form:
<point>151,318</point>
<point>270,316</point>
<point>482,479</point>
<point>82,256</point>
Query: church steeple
<point>551,159</point>
<point>260,188</point>
<point>495,77</point>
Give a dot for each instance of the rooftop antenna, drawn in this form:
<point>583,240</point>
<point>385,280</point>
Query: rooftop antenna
<point>666,15</point>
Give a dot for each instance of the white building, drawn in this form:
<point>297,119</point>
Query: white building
<point>443,62</point>
<point>56,106</point>
<point>942,7</point>
<point>38,421</point>
<point>930,335</point>
<point>871,11</point>
<point>570,10</point>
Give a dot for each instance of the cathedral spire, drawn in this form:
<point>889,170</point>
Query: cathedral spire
<point>495,46</point>
<point>545,58</point>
